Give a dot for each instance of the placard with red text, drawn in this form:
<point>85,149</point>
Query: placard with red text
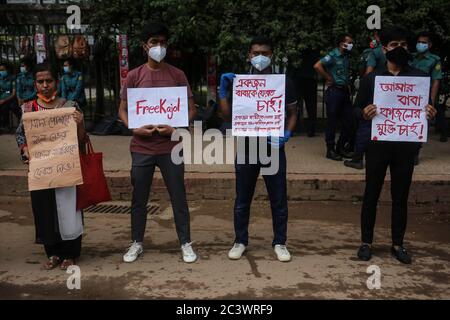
<point>401,103</point>
<point>158,106</point>
<point>258,105</point>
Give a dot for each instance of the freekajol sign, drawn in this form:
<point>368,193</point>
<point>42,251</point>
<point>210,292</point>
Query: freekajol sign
<point>258,105</point>
<point>158,106</point>
<point>401,112</point>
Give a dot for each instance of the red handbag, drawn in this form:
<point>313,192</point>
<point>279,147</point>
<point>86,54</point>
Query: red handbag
<point>94,188</point>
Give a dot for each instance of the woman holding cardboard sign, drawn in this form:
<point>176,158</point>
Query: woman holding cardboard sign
<point>58,224</point>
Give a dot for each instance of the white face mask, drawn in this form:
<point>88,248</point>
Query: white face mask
<point>157,53</point>
<point>260,62</point>
<point>348,46</point>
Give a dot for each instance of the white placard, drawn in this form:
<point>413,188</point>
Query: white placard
<point>158,106</point>
<point>401,114</point>
<point>258,105</point>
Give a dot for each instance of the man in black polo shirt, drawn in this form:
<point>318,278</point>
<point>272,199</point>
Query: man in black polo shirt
<point>398,156</point>
<point>260,56</point>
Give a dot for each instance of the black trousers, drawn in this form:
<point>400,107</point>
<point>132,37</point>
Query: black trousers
<point>143,168</point>
<point>307,93</point>
<point>68,249</point>
<point>339,109</point>
<point>399,157</point>
<point>441,122</point>
<point>5,109</point>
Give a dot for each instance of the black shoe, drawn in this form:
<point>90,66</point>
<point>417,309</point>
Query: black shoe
<point>355,164</point>
<point>346,154</point>
<point>401,255</point>
<point>443,138</point>
<point>365,252</point>
<point>311,134</point>
<point>331,154</point>
<point>416,160</point>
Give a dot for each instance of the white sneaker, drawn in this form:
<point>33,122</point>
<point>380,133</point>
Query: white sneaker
<point>236,252</point>
<point>282,252</point>
<point>189,255</point>
<point>134,251</point>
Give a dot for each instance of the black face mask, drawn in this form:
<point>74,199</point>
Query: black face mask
<point>400,56</point>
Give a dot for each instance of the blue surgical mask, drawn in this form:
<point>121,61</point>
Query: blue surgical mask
<point>422,47</point>
<point>23,69</point>
<point>260,62</point>
<point>66,69</point>
<point>3,73</point>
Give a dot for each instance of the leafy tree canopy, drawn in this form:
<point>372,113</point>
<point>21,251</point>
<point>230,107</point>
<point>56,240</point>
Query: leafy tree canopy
<point>225,27</point>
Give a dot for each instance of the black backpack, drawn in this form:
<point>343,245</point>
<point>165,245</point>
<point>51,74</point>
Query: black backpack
<point>111,126</point>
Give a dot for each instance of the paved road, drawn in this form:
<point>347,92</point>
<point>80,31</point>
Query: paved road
<point>323,238</point>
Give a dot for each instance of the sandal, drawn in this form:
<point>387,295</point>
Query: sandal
<point>52,263</point>
<point>67,263</point>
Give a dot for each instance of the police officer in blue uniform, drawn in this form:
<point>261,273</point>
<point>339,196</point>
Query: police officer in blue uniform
<point>375,60</point>
<point>26,90</point>
<point>430,63</point>
<point>8,101</point>
<point>72,85</point>
<point>334,67</point>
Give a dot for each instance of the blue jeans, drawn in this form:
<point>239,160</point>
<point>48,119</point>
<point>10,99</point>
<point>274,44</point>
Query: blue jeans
<point>246,177</point>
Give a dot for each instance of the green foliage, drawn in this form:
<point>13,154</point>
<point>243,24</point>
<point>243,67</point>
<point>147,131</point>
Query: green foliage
<point>225,27</point>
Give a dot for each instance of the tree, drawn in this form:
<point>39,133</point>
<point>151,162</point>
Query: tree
<point>225,27</point>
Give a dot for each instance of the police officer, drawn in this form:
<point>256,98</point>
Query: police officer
<point>8,101</point>
<point>430,63</point>
<point>375,61</point>
<point>26,90</point>
<point>334,67</point>
<point>376,58</point>
<point>72,85</point>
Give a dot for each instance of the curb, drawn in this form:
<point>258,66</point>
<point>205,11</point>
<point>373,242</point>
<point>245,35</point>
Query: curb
<point>425,189</point>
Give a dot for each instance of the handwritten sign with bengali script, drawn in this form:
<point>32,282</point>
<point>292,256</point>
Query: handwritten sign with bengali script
<point>53,146</point>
